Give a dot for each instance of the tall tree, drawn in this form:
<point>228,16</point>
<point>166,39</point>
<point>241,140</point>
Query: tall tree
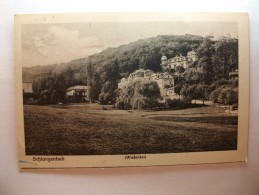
<point>231,97</point>
<point>96,86</point>
<point>177,89</point>
<point>60,88</point>
<point>225,58</point>
<point>108,93</point>
<point>111,72</point>
<point>139,95</point>
<point>89,76</point>
<point>204,52</point>
<point>202,92</point>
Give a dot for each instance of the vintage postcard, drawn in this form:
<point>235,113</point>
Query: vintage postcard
<point>131,89</point>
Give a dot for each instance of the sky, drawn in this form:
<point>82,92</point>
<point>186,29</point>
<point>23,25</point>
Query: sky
<point>44,44</point>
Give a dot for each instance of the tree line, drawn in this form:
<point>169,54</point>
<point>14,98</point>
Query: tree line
<point>102,71</point>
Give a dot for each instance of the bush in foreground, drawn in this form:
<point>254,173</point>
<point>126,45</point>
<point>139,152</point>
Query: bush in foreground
<point>138,95</point>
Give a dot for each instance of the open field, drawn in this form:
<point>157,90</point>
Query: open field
<point>88,129</point>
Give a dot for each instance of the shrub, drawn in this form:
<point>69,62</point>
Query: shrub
<point>214,95</point>
<point>175,103</point>
<point>108,94</point>
<point>120,105</point>
<point>54,97</point>
<point>138,95</point>
<point>187,100</point>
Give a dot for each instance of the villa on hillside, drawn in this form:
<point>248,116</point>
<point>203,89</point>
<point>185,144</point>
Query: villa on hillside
<point>182,61</point>
<point>164,80</point>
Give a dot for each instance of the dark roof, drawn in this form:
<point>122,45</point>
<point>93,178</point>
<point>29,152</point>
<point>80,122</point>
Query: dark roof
<point>190,53</point>
<point>77,87</point>
<point>170,88</point>
<point>233,73</point>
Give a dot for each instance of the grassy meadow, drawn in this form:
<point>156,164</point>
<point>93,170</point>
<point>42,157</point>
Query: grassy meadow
<point>92,129</point>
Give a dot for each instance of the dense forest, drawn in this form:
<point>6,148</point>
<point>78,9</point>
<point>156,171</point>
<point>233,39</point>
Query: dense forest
<point>102,71</point>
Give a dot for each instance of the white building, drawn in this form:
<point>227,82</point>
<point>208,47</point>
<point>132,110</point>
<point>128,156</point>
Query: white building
<point>178,61</point>
<point>77,93</point>
<point>27,87</point>
<point>192,56</point>
<point>165,81</point>
<point>137,74</point>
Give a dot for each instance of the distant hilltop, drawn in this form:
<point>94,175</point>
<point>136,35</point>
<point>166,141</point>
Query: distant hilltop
<point>144,53</point>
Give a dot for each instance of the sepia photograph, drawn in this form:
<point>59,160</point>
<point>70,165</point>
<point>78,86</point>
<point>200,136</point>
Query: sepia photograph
<point>135,89</point>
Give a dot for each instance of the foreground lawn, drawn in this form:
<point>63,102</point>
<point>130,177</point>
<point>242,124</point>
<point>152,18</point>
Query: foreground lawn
<point>88,129</point>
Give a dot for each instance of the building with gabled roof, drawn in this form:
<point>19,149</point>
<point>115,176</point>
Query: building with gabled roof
<point>178,60</point>
<point>78,93</point>
<point>27,87</point>
<point>164,80</point>
<point>28,94</point>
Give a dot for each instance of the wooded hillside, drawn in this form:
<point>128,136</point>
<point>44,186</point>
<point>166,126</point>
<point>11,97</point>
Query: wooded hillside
<point>216,58</point>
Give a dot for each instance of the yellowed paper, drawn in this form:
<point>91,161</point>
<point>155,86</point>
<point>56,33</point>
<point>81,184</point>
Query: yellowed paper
<point>74,72</point>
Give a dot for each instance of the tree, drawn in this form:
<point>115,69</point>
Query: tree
<point>44,97</point>
<point>54,97</point>
<point>139,95</point>
<point>110,77</point>
<point>96,86</point>
<point>177,89</point>
<point>225,58</point>
<point>202,92</point>
<point>110,72</point>
<point>60,88</point>
<point>204,52</point>
<point>189,92</point>
<point>224,95</point>
<point>108,93</point>
<point>68,75</point>
<point>193,77</point>
<point>125,95</point>
<point>214,96</point>
<point>192,92</point>
<point>89,76</point>
<point>183,91</point>
<point>230,97</point>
